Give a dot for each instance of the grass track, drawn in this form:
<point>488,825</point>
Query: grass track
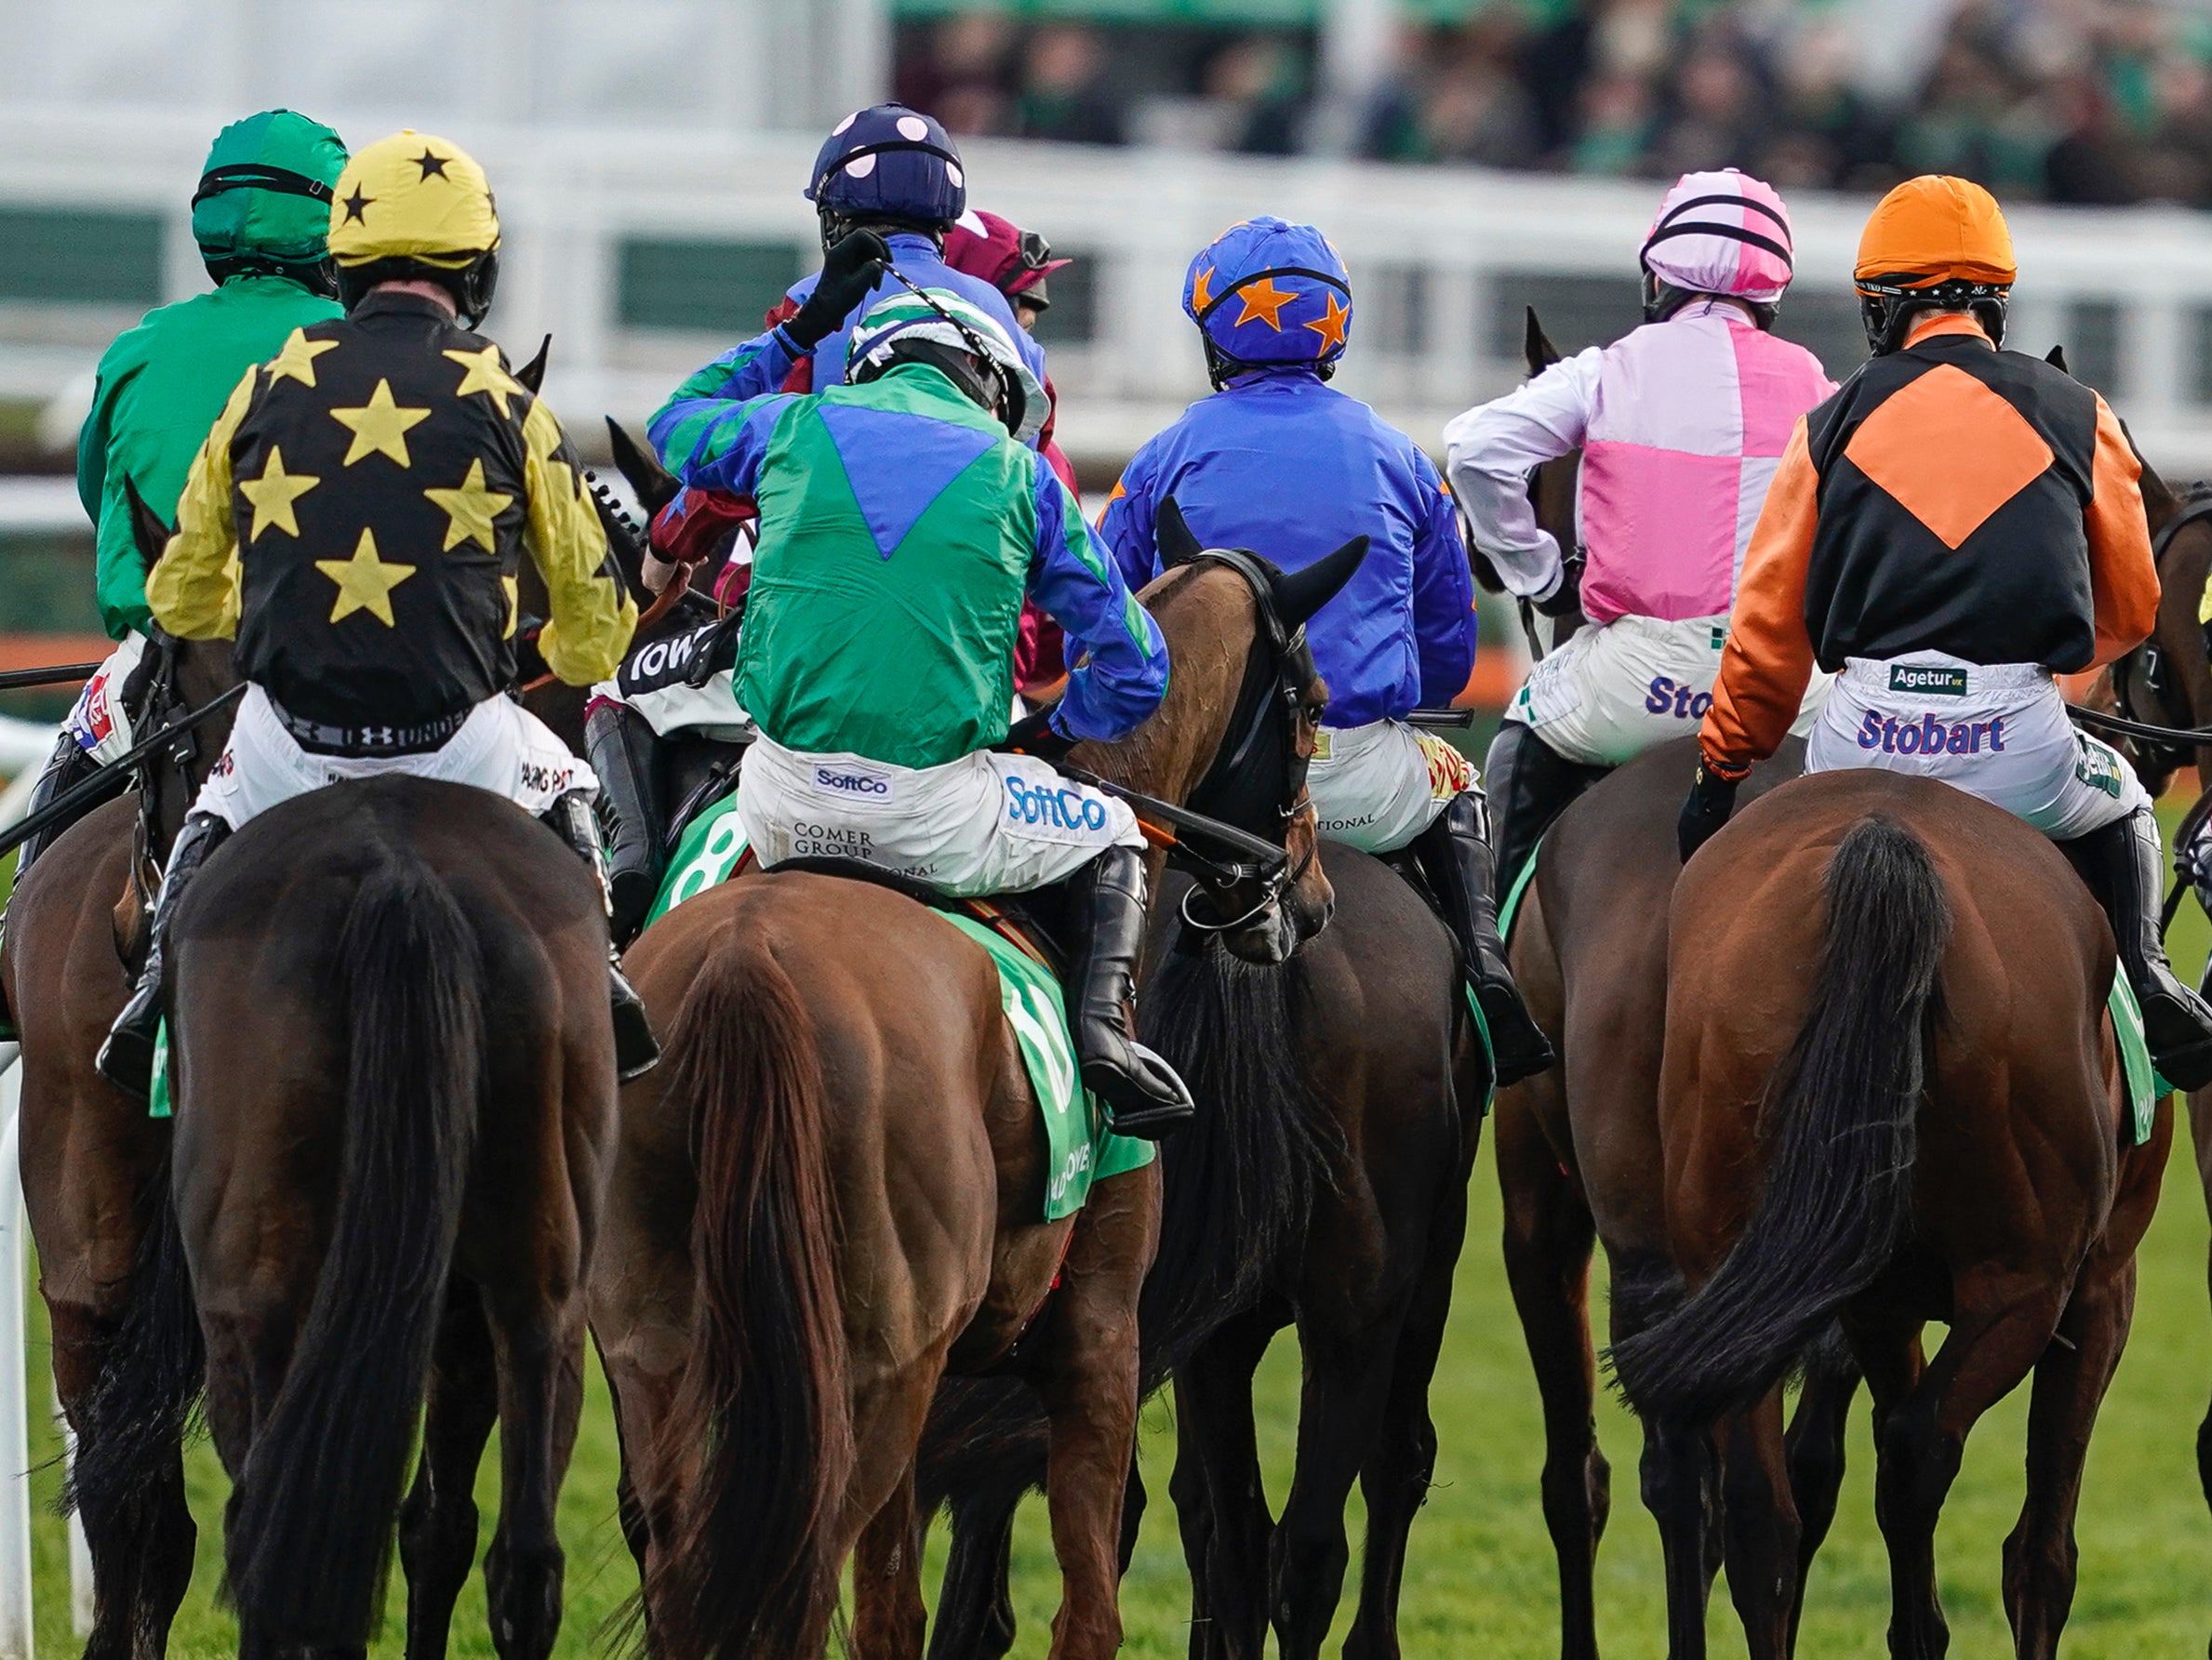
<point>1479,1580</point>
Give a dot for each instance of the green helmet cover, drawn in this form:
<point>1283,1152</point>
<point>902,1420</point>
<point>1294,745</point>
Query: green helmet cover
<point>281,218</point>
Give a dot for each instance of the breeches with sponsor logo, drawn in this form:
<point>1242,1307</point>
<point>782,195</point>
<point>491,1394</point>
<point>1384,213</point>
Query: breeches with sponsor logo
<point>984,824</point>
<point>501,747</point>
<point>1379,786</point>
<point>1613,691</point>
<point>654,683</point>
<point>99,723</point>
<point>1997,732</point>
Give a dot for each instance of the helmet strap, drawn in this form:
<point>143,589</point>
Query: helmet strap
<point>317,276</point>
<point>1886,308</point>
<point>836,226</point>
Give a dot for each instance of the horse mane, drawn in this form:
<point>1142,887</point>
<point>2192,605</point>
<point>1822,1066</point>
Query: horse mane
<point>2195,491</point>
<point>1239,1184</point>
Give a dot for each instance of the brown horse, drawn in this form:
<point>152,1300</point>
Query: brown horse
<point>1890,1093</point>
<point>1325,1186</point>
<point>830,1194</point>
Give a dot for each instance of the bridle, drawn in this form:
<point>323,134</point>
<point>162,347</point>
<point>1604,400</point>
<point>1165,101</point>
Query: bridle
<point>1258,777</point>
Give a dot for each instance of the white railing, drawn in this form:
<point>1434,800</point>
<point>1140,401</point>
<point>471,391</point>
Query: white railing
<point>1435,253</point>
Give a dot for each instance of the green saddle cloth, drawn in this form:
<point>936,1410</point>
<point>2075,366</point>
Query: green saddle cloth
<point>1082,1150</point>
<point>2144,1085</point>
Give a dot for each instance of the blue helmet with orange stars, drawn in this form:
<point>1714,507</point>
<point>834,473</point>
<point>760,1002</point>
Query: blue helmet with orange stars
<point>1266,291</point>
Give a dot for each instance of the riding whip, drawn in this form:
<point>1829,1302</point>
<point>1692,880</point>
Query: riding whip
<point>53,675</point>
<point>109,782</point>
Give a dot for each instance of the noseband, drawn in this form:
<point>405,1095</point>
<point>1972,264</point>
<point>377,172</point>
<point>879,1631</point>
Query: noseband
<point>2149,660</point>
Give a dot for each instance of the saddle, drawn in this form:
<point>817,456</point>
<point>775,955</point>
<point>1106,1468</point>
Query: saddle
<point>1029,922</point>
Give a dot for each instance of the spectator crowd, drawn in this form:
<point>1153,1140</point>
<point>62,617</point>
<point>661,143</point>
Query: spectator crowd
<point>2073,101</point>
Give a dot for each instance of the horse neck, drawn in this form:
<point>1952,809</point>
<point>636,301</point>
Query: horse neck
<point>203,671</point>
<point>1209,618</point>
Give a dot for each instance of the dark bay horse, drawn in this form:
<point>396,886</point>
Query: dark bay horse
<point>830,1194</point>
<point>1890,1095</point>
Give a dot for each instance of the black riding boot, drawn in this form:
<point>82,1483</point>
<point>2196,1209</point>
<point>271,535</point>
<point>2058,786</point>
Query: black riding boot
<point>1142,1094</point>
<point>636,1049</point>
<point>68,764</point>
<point>1455,855</point>
<point>620,743</point>
<point>126,1060</point>
<point>2122,866</point>
<point>1529,784</point>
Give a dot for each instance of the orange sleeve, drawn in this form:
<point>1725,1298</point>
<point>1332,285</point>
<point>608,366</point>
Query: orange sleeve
<point>1768,659</point>
<point>2123,576</point>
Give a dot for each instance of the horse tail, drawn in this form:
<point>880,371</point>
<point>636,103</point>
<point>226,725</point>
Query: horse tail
<point>148,1379</point>
<point>309,1527</point>
<point>1842,1126</point>
<point>761,1411</point>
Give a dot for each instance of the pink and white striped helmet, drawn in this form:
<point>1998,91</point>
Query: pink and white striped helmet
<point>1722,232</point>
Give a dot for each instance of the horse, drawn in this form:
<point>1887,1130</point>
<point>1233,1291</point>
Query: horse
<point>1325,1186</point>
<point>1890,1095</point>
<point>827,1198</point>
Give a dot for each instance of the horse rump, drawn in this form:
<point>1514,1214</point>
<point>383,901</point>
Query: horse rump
<point>308,1532</point>
<point>761,1416</point>
<point>1841,1125</point>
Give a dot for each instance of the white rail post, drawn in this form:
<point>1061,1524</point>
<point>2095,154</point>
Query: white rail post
<point>80,1549</point>
<point>15,1419</point>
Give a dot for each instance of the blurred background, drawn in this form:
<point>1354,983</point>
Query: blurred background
<point>1470,157</point>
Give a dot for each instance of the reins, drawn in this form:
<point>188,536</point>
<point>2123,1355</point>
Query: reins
<point>109,779</point>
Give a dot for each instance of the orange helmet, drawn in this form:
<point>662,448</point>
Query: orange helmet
<point>1933,243</point>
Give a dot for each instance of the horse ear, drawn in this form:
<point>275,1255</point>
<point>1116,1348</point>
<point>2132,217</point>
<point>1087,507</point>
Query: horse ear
<point>1170,530</point>
<point>147,527</point>
<point>654,484</point>
<point>1536,345</point>
<point>532,374</point>
<point>1300,594</point>
<point>2056,357</point>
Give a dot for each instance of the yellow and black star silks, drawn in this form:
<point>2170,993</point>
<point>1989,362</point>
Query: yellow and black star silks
<point>382,480</point>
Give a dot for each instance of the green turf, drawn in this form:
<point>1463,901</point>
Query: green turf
<point>1479,1582</point>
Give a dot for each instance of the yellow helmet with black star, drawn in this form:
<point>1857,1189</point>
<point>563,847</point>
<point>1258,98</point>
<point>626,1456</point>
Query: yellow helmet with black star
<point>416,206</point>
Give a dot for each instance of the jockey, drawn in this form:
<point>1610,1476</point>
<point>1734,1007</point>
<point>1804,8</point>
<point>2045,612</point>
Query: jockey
<point>260,215</point>
<point>903,516</point>
<point>1279,461</point>
<point>1016,262</point>
<point>356,521</point>
<point>1949,594</point>
<point>1681,423</point>
<point>886,175</point>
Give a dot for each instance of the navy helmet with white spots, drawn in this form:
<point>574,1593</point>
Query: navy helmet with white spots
<point>889,160</point>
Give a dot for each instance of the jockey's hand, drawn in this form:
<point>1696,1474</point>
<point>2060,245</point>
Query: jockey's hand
<point>1704,811</point>
<point>849,273</point>
<point>530,662</point>
<point>1034,735</point>
<point>1568,596</point>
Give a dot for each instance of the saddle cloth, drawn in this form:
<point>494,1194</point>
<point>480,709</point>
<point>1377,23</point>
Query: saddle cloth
<point>1081,1149</point>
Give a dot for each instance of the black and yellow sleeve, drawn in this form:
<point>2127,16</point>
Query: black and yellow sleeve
<point>593,613</point>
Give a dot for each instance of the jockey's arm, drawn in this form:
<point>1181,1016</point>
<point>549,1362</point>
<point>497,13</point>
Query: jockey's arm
<point>2122,572</point>
<point>1490,451</point>
<point>192,590</point>
<point>1445,621</point>
<point>711,443</point>
<point>1125,523</point>
<point>1073,578</point>
<point>752,369</point>
<point>593,613</point>
<point>1768,659</point>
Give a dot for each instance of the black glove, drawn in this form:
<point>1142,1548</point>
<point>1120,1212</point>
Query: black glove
<point>1034,735</point>
<point>849,273</point>
<point>1705,810</point>
<point>1568,596</point>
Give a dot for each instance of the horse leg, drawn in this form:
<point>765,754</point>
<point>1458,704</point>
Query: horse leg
<point>1678,1466</point>
<point>437,1523</point>
<point>1214,1390</point>
<point>1396,1476</point>
<point>2071,1380</point>
<point>1990,1348</point>
<point>888,1619</point>
<point>1194,1522</point>
<point>1549,1235</point>
<point>1760,1528</point>
<point>1815,1448</point>
<point>537,1337</point>
<point>974,1605</point>
<point>2200,1128</point>
<point>1339,1414</point>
